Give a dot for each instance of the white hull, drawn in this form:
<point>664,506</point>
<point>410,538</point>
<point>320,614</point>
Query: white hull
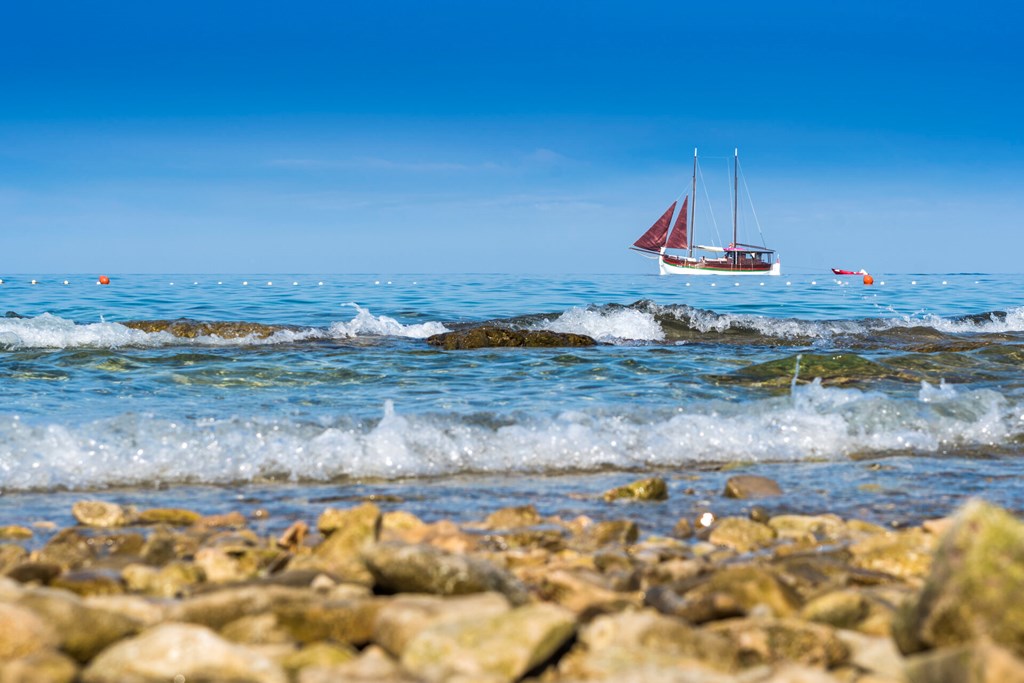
<point>672,269</point>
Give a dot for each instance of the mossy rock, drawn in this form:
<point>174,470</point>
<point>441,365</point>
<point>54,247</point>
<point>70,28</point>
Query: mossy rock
<point>490,337</point>
<point>190,329</point>
<point>833,369</point>
<point>652,489</point>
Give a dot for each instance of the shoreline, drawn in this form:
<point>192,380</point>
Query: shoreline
<point>364,593</point>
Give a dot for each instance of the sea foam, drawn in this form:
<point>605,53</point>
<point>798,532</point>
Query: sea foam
<point>813,423</point>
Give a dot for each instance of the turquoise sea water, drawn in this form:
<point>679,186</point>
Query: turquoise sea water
<point>892,402</point>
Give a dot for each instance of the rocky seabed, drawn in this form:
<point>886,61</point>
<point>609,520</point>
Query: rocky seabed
<point>140,596</point>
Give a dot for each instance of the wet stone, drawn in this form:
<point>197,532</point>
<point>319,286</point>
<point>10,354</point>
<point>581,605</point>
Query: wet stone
<point>651,489</point>
<point>15,532</point>
<point>100,513</point>
<point>489,337</point>
<point>745,486</point>
<point>168,516</point>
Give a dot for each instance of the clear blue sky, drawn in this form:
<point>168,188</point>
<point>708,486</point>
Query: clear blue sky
<point>509,136</point>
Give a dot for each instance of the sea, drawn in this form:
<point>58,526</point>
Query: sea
<point>893,403</point>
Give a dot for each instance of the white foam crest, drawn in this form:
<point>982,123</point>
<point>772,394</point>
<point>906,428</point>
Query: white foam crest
<point>366,324</point>
<point>1012,322</point>
<point>607,325</point>
<point>53,332</point>
<point>709,321</point>
<point>815,422</point>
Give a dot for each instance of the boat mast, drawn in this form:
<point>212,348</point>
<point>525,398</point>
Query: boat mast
<point>735,192</point>
<point>693,204</point>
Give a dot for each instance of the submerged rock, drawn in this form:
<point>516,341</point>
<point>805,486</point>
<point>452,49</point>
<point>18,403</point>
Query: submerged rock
<point>487,336</point>
<point>190,329</point>
<point>653,488</point>
<point>751,486</point>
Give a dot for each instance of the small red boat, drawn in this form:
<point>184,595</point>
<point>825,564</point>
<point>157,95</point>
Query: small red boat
<point>840,271</point>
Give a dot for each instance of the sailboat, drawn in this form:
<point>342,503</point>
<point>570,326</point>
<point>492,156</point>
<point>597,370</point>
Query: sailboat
<point>735,259</point>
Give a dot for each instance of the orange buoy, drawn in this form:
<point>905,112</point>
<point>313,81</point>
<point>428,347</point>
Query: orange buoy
<point>104,280</point>
<point>868,280</point>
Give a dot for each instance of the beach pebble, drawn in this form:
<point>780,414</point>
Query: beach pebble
<point>218,608</point>
<point>15,532</point>
<point>400,525</point>
<point>751,486</point>
<point>978,661</point>
<point>45,666</point>
<point>341,621</point>
<point>906,554</point>
<point>11,556</point>
<point>653,488</point>
<point>23,632</point>
<point>403,617</point>
<point>741,534</point>
<point>230,520</point>
<point>373,665</point>
<point>752,586</point>
<point>513,517</point>
<point>319,656</point>
<point>181,650</point>
<point>83,631</point>
<point>90,582</point>
<point>349,533</point>
<point>594,535</point>
<point>844,608</point>
<point>400,568</point>
<point>502,647</point>
<point>810,528</point>
<point>770,640</point>
<point>169,516</point>
<point>644,645</point>
<point>100,513</point>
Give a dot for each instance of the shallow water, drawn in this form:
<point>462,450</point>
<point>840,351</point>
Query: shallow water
<point>891,402</point>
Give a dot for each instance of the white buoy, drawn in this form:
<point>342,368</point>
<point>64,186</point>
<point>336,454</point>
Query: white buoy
<point>913,282</point>
<point>195,283</point>
<point>714,284</point>
<point>788,282</point>
<point>376,282</point>
<point>171,284</point>
<point>319,284</point>
<point>65,282</point>
<point>294,283</point>
<point>33,282</point>
<point>220,282</point>
<point>737,284</point>
<point>245,283</point>
<point>814,282</point>
<point>687,284</point>
<point>943,282</point>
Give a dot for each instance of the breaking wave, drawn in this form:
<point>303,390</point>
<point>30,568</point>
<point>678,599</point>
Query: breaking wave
<point>812,423</point>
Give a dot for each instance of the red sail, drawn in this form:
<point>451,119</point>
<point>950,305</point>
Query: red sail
<point>677,240</point>
<point>654,238</point>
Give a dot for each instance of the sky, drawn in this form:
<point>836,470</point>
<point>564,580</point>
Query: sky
<point>526,136</point>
